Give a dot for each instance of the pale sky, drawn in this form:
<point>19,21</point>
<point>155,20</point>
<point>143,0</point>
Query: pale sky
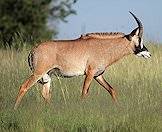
<point>111,16</point>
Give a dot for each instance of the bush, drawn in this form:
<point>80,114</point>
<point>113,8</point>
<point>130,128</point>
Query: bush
<point>28,18</point>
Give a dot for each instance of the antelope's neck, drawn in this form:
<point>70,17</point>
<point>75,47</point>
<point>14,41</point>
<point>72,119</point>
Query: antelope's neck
<point>117,52</point>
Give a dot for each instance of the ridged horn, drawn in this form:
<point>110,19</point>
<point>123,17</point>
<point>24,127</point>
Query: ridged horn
<point>140,26</point>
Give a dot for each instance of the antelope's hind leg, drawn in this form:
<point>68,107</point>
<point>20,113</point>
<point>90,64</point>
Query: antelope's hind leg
<point>46,92</point>
<point>25,87</point>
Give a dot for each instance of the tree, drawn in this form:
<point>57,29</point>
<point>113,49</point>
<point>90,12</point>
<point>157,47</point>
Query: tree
<point>28,18</point>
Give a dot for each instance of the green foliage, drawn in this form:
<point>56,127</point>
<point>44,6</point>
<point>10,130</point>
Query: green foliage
<point>28,18</point>
<point>137,81</point>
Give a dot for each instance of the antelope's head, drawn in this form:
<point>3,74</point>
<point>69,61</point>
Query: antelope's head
<point>136,38</point>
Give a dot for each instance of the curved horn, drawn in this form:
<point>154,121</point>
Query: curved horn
<point>140,26</point>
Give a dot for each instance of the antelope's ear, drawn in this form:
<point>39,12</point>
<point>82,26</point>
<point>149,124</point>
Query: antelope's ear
<point>135,32</point>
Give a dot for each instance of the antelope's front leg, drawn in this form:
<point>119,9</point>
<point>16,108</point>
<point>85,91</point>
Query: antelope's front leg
<point>100,79</point>
<point>87,82</point>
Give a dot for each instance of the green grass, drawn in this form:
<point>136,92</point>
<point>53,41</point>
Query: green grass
<point>138,82</point>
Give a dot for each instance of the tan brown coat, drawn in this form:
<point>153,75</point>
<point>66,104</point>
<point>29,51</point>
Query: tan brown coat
<point>88,55</point>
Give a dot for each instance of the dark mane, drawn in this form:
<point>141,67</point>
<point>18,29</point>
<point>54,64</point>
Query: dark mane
<point>103,35</point>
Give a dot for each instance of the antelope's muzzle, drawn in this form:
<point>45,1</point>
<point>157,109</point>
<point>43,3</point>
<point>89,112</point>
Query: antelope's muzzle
<point>142,52</point>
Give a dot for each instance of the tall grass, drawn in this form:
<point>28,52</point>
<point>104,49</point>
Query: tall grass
<point>137,81</point>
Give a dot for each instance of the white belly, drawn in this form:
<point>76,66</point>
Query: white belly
<point>67,73</point>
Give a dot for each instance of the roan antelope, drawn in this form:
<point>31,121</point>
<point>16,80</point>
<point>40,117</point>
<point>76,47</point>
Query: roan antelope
<point>88,55</point>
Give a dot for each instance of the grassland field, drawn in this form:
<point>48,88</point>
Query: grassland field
<point>138,82</point>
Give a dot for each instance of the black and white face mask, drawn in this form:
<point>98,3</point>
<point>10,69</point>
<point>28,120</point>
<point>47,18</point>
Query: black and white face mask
<point>141,50</point>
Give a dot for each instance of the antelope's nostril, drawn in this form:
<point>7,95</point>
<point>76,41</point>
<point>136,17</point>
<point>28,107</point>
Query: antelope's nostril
<point>149,54</point>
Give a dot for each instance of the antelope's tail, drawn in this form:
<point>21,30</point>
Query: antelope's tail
<point>30,60</point>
